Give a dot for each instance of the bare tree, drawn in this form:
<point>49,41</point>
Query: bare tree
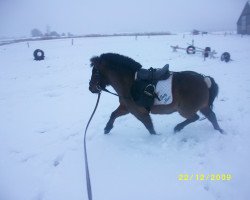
<point>36,33</point>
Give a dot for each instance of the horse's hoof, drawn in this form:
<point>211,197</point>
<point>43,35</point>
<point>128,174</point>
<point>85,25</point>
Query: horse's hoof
<point>178,128</point>
<point>106,132</point>
<point>153,133</point>
<point>107,129</point>
<point>222,131</point>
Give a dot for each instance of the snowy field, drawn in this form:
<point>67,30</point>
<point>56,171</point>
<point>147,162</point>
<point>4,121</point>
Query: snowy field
<point>45,105</point>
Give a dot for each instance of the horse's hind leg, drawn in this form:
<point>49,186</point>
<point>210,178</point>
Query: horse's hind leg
<point>210,115</point>
<point>121,110</point>
<point>181,125</point>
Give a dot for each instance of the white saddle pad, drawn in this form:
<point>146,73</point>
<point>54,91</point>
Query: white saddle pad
<point>164,91</point>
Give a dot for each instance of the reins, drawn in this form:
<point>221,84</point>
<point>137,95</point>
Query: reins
<point>85,151</point>
<point>89,190</point>
<point>106,90</point>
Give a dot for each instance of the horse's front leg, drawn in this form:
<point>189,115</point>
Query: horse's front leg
<point>121,110</point>
<point>145,118</point>
<point>142,114</point>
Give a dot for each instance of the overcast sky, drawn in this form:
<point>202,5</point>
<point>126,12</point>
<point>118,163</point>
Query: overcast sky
<point>18,17</point>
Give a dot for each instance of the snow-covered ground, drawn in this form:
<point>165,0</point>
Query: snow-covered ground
<point>45,105</point>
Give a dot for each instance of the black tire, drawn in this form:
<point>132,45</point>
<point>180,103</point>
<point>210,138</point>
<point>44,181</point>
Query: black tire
<point>190,50</point>
<point>38,54</point>
<point>207,51</point>
<point>225,57</point>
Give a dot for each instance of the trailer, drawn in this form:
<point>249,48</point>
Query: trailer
<point>206,52</point>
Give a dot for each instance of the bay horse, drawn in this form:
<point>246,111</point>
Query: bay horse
<point>192,92</point>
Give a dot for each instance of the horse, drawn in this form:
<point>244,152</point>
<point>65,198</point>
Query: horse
<point>192,92</point>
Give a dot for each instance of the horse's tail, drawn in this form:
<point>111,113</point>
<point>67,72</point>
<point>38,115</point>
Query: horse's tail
<point>95,61</point>
<point>213,90</point>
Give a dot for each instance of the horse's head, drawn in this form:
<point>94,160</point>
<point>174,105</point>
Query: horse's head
<point>112,69</point>
<point>97,81</point>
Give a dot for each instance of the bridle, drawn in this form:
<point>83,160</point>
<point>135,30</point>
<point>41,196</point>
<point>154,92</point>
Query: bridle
<point>96,80</point>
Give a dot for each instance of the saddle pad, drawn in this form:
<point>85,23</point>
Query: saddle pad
<point>164,91</point>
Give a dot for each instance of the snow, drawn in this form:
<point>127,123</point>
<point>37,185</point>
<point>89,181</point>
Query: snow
<point>45,105</point>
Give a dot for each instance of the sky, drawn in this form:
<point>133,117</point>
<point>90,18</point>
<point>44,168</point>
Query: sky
<point>18,17</point>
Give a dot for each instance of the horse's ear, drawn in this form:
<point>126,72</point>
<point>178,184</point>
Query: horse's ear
<point>95,61</point>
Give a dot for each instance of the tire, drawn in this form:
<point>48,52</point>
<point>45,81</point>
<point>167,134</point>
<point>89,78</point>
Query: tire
<point>38,54</point>
<point>207,51</point>
<point>226,57</point>
<point>190,50</point>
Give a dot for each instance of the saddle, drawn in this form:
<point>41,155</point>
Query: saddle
<point>143,89</point>
<point>152,74</point>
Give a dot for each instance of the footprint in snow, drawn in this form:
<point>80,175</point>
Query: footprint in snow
<point>42,131</point>
<point>58,160</point>
<point>27,158</point>
<point>223,99</point>
<point>206,187</point>
<point>52,95</point>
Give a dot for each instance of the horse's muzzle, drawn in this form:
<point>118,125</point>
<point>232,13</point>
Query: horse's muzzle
<point>95,89</point>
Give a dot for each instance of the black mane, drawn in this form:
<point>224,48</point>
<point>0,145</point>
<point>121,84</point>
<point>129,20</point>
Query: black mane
<point>120,63</point>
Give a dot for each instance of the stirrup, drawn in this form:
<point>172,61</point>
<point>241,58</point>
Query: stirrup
<point>147,90</point>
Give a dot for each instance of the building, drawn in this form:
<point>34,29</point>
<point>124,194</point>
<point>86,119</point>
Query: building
<point>243,24</point>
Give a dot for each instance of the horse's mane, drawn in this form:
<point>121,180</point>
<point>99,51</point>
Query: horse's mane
<point>116,62</point>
